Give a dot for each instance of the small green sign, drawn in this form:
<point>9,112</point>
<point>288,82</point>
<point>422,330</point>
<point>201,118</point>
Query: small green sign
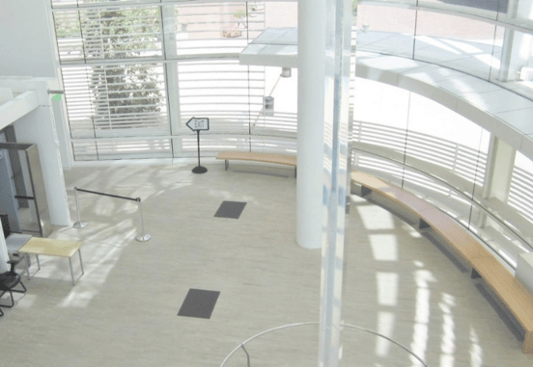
<point>56,97</point>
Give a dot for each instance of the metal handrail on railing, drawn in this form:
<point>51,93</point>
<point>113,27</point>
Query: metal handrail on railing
<point>471,198</point>
<point>142,237</point>
<point>315,323</point>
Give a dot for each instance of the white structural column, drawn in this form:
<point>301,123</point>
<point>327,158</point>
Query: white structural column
<point>4,257</point>
<point>38,127</point>
<point>497,181</point>
<point>324,47</point>
<point>517,46</point>
<point>311,76</point>
<point>499,170</point>
<point>336,156</point>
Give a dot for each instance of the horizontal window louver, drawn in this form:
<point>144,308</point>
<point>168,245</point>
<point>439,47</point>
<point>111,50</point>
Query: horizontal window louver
<point>124,149</point>
<point>521,192</point>
<point>112,33</point>
<point>89,3</point>
<point>116,100</point>
<point>463,161</point>
<point>229,94</point>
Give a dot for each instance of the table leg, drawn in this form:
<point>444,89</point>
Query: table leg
<point>71,272</point>
<point>38,262</point>
<point>27,265</point>
<point>81,262</point>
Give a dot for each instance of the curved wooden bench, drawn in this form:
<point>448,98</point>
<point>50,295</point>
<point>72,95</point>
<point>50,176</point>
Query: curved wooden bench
<point>483,264</point>
<point>257,157</point>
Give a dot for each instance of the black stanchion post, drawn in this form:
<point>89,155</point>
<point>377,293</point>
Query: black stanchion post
<point>198,124</point>
<point>199,168</point>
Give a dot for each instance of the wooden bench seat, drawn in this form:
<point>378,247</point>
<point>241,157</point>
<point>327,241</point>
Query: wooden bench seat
<point>510,291</point>
<point>257,157</point>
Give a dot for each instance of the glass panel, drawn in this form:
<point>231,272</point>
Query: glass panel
<point>121,149</point>
<point>383,168</point>
<point>227,93</point>
<point>84,150</point>
<point>116,100</point>
<point>503,240</point>
<point>455,42</point>
<point>283,121</point>
<point>277,14</point>
<point>520,197</point>
<point>483,8</point>
<point>380,118</point>
<point>217,28</point>
<point>518,75</point>
<point>386,30</point>
<point>497,54</point>
<point>210,145</point>
<point>69,39</point>
<point>264,144</point>
<point>134,149</point>
<point>81,3</point>
<point>437,148</point>
<point>109,33</point>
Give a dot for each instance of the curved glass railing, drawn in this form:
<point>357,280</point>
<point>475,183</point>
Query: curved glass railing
<point>469,39</point>
<point>488,224</point>
<point>498,12</point>
<point>262,352</point>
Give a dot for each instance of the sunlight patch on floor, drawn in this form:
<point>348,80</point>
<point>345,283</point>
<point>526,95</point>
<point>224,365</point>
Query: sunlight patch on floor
<point>387,288</point>
<point>384,247</point>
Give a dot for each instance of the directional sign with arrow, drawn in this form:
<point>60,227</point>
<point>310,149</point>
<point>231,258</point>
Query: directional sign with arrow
<point>198,124</point>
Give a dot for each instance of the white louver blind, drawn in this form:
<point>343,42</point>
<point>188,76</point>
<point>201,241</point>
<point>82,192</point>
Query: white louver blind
<point>520,194</point>
<point>116,100</point>
<point>463,161</point>
<point>81,3</point>
<point>229,93</point>
<point>110,33</point>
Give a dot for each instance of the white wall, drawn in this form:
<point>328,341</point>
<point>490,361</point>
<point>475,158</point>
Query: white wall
<point>38,127</point>
<point>4,257</point>
<point>26,39</point>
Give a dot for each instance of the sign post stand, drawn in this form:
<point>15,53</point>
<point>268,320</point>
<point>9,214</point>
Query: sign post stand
<point>198,124</point>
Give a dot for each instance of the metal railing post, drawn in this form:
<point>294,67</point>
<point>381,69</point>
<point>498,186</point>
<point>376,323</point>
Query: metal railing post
<point>247,355</point>
<point>79,223</point>
<point>143,237</point>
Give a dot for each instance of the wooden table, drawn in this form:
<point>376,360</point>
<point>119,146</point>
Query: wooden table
<point>45,246</point>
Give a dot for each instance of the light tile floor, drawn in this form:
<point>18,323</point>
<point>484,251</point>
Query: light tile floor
<point>123,312</point>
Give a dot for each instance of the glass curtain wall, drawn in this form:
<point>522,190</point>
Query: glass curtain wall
<point>136,72</point>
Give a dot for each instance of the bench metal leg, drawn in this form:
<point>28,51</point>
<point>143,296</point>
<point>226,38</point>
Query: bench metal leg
<point>295,171</point>
<point>475,274</point>
<point>422,224</point>
<point>71,272</point>
<point>527,346</point>
<point>81,262</point>
<point>226,164</point>
<point>365,191</point>
<point>27,265</point>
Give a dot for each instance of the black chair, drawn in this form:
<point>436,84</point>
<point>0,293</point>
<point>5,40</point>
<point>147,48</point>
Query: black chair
<point>8,281</point>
